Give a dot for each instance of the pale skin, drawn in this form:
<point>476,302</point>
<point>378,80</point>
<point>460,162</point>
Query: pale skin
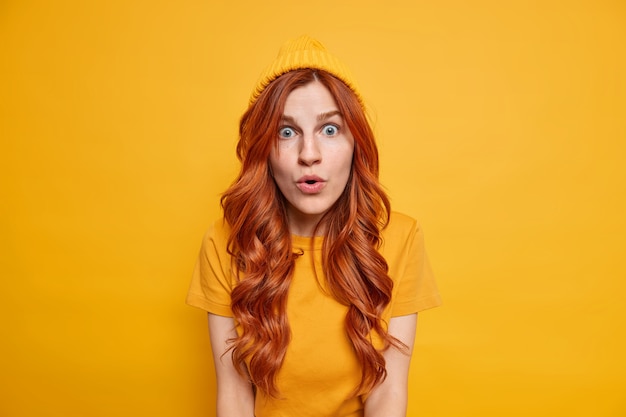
<point>235,397</point>
<point>314,145</point>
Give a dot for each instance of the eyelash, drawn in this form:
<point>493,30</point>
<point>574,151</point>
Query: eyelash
<point>284,128</point>
<point>323,130</point>
<point>326,126</point>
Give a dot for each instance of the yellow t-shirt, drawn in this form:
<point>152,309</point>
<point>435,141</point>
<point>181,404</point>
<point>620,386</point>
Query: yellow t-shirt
<point>320,369</point>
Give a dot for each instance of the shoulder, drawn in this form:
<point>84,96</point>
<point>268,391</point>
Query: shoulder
<point>401,233</point>
<point>216,236</point>
<point>401,219</point>
<point>219,230</point>
<point>400,225</point>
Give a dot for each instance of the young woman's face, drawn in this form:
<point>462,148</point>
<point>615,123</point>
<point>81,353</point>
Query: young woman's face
<point>312,162</point>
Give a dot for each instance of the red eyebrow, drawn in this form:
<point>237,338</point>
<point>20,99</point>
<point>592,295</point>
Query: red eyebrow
<point>288,119</point>
<point>328,115</point>
<point>320,117</point>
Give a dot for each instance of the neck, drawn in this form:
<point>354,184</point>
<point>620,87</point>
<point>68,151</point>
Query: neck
<point>305,225</point>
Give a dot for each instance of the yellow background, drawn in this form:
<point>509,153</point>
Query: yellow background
<point>501,127</point>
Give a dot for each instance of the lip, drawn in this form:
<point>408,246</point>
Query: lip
<point>310,184</point>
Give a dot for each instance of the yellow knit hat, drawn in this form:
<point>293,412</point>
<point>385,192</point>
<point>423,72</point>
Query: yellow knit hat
<point>304,52</point>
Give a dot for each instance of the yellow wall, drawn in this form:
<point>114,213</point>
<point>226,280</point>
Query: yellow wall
<point>501,126</point>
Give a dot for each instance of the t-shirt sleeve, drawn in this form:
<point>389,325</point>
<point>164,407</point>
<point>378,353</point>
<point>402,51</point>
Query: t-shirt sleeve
<point>212,280</point>
<point>416,287</point>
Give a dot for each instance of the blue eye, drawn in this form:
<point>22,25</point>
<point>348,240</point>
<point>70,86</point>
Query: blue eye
<point>286,132</point>
<point>330,130</point>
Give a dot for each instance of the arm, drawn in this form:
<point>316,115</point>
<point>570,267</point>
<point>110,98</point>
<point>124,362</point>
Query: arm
<point>389,399</point>
<point>234,392</point>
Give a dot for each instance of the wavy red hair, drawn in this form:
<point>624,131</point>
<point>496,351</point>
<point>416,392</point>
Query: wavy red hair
<point>260,241</point>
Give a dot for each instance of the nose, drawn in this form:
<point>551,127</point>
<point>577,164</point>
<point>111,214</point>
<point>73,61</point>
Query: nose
<point>310,153</point>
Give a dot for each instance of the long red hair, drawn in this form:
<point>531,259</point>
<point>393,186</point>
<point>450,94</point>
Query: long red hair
<point>260,241</point>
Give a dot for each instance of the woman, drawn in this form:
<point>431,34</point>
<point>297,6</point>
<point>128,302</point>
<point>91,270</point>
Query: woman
<point>312,284</point>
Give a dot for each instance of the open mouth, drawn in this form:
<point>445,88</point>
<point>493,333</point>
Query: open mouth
<point>311,185</point>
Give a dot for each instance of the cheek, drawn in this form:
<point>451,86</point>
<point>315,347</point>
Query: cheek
<point>347,160</point>
<point>271,165</point>
<point>349,157</point>
<point>278,170</point>
<point>274,163</point>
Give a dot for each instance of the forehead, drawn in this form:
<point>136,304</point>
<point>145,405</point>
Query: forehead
<point>313,97</point>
